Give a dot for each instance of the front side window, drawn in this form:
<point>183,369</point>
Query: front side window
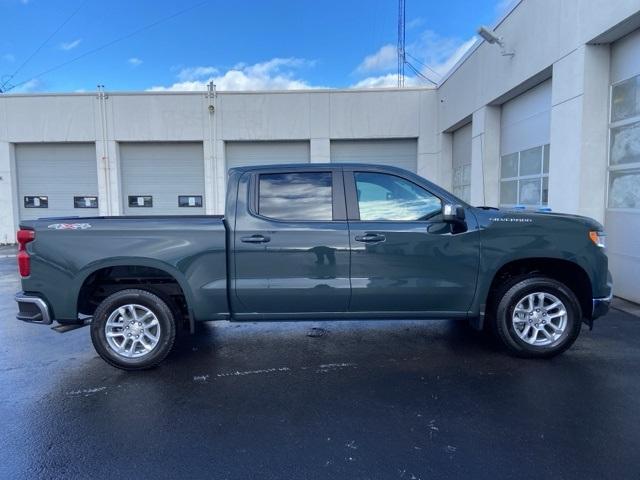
<point>524,177</point>
<point>387,197</point>
<point>296,196</point>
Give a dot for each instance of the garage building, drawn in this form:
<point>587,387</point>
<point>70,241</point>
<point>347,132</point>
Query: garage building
<point>555,126</point>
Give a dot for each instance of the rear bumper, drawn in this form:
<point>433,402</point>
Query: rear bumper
<point>33,309</point>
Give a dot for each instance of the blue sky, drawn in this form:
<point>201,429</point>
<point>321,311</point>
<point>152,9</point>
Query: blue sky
<point>239,44</point>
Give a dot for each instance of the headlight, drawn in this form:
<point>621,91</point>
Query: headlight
<point>599,238</point>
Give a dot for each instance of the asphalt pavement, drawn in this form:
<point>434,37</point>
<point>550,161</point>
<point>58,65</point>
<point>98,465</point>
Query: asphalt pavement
<point>311,400</point>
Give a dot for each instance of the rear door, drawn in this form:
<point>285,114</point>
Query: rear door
<point>291,244</point>
<point>405,260</point>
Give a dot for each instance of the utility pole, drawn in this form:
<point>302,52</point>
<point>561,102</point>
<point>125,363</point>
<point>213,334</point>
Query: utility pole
<point>401,42</point>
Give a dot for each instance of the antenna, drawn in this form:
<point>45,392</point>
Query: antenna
<point>401,42</point>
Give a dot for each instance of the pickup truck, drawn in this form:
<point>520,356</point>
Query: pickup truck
<point>316,242</point>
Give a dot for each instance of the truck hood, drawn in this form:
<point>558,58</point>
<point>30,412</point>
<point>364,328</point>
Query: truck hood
<point>526,216</point>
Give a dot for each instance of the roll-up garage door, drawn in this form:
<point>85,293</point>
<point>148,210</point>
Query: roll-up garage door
<point>524,148</point>
<point>401,153</point>
<point>56,180</point>
<point>243,154</point>
<point>462,162</point>
<point>622,221</point>
<point>162,178</point>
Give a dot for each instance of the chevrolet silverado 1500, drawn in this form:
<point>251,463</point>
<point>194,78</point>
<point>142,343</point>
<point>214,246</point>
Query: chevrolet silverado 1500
<point>300,242</point>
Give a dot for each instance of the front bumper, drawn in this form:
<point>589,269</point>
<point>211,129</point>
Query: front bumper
<point>33,309</point>
<point>601,306</point>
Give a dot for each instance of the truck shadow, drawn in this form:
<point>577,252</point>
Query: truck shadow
<point>310,341</point>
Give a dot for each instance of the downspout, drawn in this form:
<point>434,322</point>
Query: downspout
<point>213,135</point>
<point>105,155</point>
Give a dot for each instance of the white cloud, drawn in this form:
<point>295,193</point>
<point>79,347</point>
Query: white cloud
<point>443,67</point>
<point>414,23</point>
<point>9,57</point>
<point>195,73</point>
<point>439,52</point>
<point>429,48</point>
<point>274,74</point>
<point>384,59</point>
<point>30,86</point>
<point>385,81</point>
<point>70,45</point>
<point>502,6</point>
<point>134,62</point>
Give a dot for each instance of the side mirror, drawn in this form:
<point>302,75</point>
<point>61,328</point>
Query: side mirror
<point>453,213</point>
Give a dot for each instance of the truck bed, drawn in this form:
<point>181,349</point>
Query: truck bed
<point>191,249</point>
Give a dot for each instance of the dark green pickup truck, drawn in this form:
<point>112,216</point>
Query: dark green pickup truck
<point>302,242</point>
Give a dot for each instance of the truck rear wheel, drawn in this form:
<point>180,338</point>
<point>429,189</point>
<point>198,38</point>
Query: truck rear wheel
<point>133,329</point>
<point>537,317</point>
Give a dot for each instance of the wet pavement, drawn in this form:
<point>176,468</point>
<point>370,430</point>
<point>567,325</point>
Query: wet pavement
<point>346,400</point>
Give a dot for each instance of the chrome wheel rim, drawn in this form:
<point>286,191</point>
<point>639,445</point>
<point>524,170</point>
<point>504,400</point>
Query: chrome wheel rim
<point>540,319</point>
<point>132,331</point>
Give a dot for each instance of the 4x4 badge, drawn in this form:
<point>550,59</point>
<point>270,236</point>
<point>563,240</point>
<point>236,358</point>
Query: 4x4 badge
<point>70,226</point>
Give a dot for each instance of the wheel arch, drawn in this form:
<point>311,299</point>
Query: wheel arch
<point>162,271</point>
<point>565,271</point>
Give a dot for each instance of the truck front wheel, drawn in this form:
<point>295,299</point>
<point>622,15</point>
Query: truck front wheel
<point>537,317</point>
<point>133,329</point>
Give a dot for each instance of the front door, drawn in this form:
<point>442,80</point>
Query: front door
<point>404,258</point>
<point>291,245</point>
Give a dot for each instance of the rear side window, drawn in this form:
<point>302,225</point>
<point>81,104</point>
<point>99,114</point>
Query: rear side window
<point>387,197</point>
<point>296,196</point>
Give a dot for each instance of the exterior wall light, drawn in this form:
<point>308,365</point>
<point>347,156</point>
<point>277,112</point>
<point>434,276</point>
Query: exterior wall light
<point>491,37</point>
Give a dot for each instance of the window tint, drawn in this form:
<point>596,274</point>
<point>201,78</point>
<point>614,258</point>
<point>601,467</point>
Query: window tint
<point>296,196</point>
<point>387,197</point>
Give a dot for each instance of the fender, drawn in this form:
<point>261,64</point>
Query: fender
<point>88,270</point>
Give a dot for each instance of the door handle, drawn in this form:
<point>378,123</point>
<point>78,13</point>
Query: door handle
<point>255,239</point>
<point>371,238</point>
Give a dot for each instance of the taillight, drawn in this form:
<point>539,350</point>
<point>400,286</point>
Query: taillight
<point>24,262</point>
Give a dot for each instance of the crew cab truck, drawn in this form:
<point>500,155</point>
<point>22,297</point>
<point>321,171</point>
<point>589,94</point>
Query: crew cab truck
<point>301,242</point>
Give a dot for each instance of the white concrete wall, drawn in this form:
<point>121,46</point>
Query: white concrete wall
<point>541,32</point>
<point>8,193</point>
<point>550,38</point>
<point>314,116</point>
<point>579,111</point>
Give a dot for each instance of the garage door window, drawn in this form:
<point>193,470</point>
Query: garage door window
<point>140,201</point>
<point>624,145</point>
<point>524,177</point>
<point>296,196</point>
<point>190,201</point>
<point>85,202</point>
<point>36,202</point>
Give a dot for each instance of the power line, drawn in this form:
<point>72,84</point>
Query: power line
<point>112,42</point>
<point>419,73</point>
<point>423,64</point>
<point>35,52</point>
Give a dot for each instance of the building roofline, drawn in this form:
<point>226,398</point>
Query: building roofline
<point>220,92</point>
<point>480,41</point>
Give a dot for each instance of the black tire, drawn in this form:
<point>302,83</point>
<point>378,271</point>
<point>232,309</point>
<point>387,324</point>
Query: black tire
<point>506,301</point>
<point>163,313</point>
